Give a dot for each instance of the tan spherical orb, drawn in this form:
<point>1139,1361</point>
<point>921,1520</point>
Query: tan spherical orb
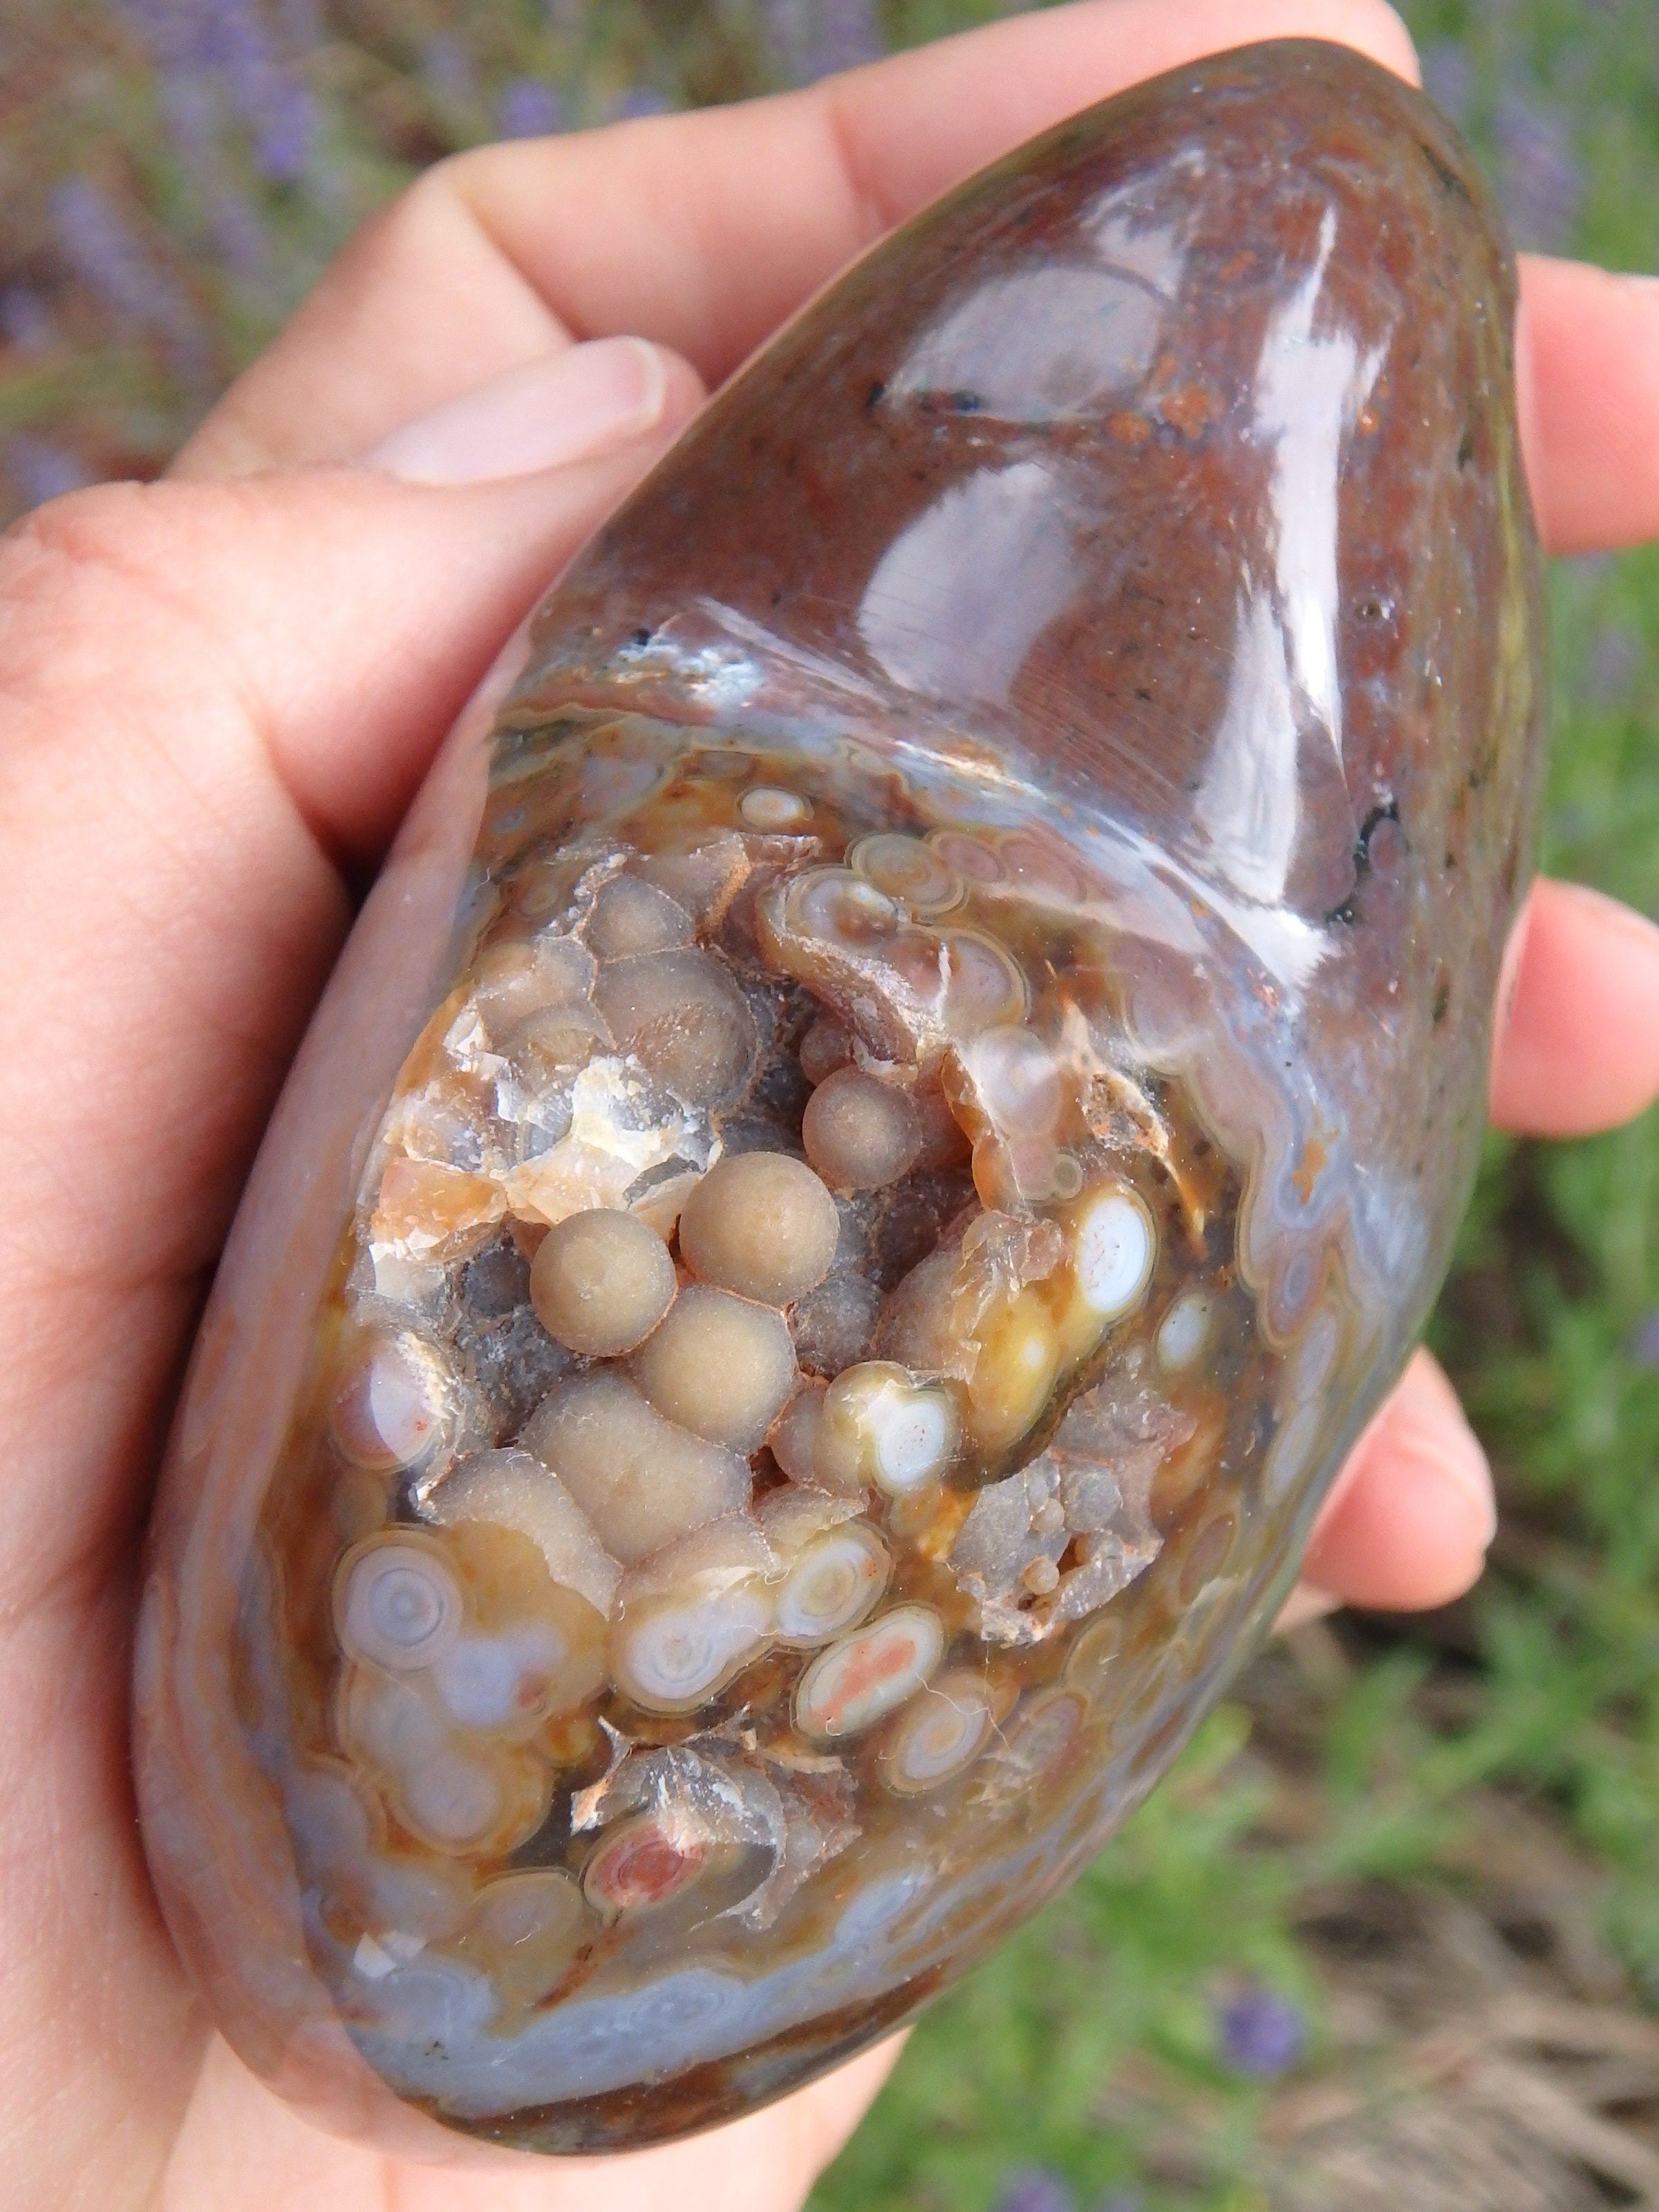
<point>629,917</point>
<point>681,1014</point>
<point>859,1133</point>
<point>827,1045</point>
<point>720,1366</point>
<point>762,1225</point>
<point>601,1281</point>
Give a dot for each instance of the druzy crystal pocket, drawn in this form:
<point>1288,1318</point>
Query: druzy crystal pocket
<point>884,1130</point>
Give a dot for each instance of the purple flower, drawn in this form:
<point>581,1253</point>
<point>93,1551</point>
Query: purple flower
<point>640,100</point>
<point>783,32</point>
<point>447,65</point>
<point>844,33</point>
<point>41,470</point>
<point>1610,665</point>
<point>168,27</point>
<point>1644,1346</point>
<point>98,246</point>
<point>25,320</point>
<point>528,108</point>
<point>231,41</point>
<point>271,100</point>
<point>286,133</point>
<point>1448,76</point>
<point>811,38</point>
<point>300,26</point>
<point>191,109</point>
<point>1259,2034</point>
<point>1541,178</point>
<point>1121,2200</point>
<point>1035,2189</point>
<point>240,234</point>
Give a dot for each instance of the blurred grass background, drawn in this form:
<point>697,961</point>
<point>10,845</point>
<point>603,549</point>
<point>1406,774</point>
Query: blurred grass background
<point>1390,1937</point>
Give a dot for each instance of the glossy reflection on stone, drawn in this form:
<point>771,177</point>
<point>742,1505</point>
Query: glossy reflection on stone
<point>838,1217</point>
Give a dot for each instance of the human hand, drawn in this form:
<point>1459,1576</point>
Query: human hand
<point>217,695</point>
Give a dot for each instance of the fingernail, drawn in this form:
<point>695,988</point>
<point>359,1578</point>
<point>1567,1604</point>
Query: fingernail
<point>1611,913</point>
<point>1442,1441</point>
<point>1508,975</point>
<point>573,406</point>
<point>1305,1603</point>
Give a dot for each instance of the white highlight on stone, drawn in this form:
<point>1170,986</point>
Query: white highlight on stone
<point>878,1424</point>
<point>509,1683</point>
<point>1113,1246</point>
<point>617,1134</point>
<point>837,906</point>
<point>768,808</point>
<point>1017,1080</point>
<point>1184,1330</point>
<point>390,1408</point>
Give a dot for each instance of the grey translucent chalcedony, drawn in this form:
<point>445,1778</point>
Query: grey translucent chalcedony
<point>901,1099</point>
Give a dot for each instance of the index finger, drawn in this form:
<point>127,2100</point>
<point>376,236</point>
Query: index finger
<point>702,231</point>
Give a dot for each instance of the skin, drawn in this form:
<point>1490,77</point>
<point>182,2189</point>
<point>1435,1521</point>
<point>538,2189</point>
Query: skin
<point>217,696</point>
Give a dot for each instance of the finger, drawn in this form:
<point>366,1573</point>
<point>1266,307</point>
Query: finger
<point>212,697</point>
<point>239,2146</point>
<point>1577,1047</point>
<point>702,231</point>
<point>1305,1603</point>
<point>1589,363</point>
<point>577,403</point>
<point>215,701</point>
<point>1409,1521</point>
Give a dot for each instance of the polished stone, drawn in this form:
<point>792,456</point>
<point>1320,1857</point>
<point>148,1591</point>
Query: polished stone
<point>891,1117</point>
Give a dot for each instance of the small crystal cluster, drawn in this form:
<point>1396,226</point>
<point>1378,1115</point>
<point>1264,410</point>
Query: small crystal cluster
<point>775,1321</point>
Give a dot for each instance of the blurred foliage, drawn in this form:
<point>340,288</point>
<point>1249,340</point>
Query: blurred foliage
<point>175,172</point>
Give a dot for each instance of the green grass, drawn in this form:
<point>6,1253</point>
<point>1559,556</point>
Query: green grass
<point>1095,2027</point>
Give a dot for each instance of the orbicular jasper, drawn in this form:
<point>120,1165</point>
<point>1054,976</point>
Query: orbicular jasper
<point>885,1129</point>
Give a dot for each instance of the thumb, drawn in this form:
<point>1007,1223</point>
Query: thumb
<point>215,701</point>
<point>392,585</point>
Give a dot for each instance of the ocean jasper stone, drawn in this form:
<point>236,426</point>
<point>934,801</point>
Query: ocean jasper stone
<point>901,1100</point>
